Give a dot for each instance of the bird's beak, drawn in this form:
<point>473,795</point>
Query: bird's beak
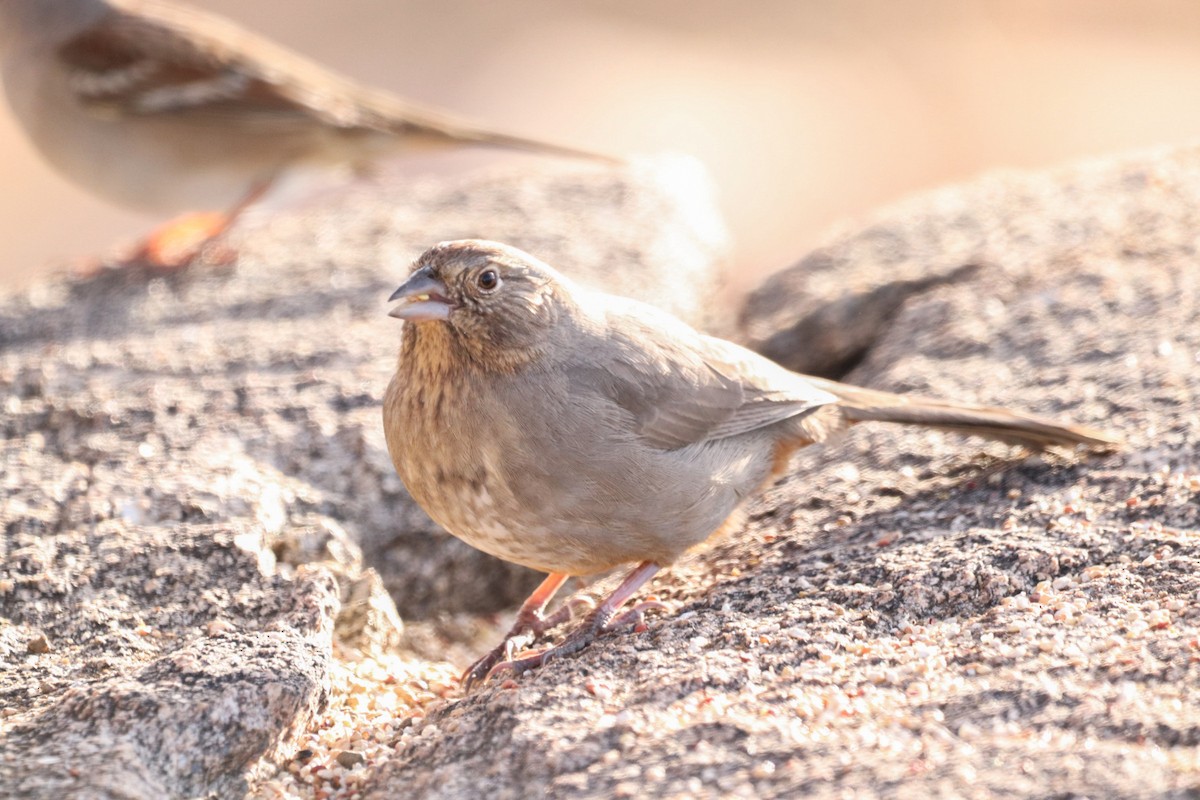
<point>423,298</point>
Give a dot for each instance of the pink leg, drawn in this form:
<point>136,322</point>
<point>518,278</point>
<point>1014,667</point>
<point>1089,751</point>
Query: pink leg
<point>529,620</point>
<point>175,244</point>
<point>529,617</point>
<point>633,581</point>
<point>595,623</point>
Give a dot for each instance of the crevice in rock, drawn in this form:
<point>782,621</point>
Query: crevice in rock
<point>836,336</point>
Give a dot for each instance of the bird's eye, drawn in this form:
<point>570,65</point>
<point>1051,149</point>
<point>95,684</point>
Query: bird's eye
<point>488,280</point>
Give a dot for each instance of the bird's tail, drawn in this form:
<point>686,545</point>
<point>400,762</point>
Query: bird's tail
<point>511,141</point>
<point>397,116</point>
<point>863,405</point>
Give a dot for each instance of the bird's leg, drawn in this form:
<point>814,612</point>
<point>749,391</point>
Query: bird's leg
<point>601,619</point>
<point>529,620</point>
<point>176,243</point>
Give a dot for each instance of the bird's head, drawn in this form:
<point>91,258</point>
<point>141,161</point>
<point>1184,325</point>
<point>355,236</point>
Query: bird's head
<point>494,303</point>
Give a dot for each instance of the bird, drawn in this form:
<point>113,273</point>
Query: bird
<point>161,107</point>
<point>573,431</point>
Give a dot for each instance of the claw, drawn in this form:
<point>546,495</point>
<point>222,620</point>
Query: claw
<point>474,674</point>
<point>580,638</point>
<point>580,601</point>
<point>481,671</point>
<point>637,615</point>
<point>517,666</point>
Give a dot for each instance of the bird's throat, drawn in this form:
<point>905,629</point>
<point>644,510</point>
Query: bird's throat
<point>430,351</point>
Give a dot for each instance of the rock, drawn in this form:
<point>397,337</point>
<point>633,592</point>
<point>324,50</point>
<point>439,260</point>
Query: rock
<point>367,618</point>
<point>918,619</point>
<point>199,510</point>
<point>196,490</point>
<point>825,313</point>
<point>137,699</point>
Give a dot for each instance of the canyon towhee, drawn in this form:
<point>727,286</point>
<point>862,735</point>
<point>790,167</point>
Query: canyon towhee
<point>573,431</point>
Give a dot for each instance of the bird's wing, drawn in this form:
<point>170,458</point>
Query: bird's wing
<point>682,387</point>
<point>153,59</point>
<point>147,58</point>
<point>770,392</point>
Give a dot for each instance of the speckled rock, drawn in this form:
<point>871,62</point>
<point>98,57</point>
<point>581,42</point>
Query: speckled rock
<point>828,310</point>
<point>900,616</point>
<point>178,659</point>
<point>198,511</point>
<point>195,491</point>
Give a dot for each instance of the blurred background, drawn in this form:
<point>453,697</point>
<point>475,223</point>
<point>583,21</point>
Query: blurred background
<point>806,112</point>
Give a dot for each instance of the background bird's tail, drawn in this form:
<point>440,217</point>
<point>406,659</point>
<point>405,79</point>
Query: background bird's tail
<point>490,138</point>
<point>388,113</point>
<point>863,405</point>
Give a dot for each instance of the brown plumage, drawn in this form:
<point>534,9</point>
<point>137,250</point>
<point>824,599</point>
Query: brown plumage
<point>572,431</point>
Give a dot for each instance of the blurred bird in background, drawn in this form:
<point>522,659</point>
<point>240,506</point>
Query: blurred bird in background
<point>160,107</point>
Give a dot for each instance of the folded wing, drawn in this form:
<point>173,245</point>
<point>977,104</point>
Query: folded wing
<point>683,387</point>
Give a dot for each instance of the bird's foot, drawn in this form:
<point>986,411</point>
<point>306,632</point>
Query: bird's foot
<point>166,251</point>
<point>181,241</point>
<point>478,672</point>
<point>578,639</point>
<point>636,616</point>
<point>527,627</point>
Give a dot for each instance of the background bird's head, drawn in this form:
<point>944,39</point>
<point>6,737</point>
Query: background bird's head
<point>490,302</point>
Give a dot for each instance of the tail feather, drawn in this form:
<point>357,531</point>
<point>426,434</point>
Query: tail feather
<point>397,116</point>
<point>515,142</point>
<point>863,405</point>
